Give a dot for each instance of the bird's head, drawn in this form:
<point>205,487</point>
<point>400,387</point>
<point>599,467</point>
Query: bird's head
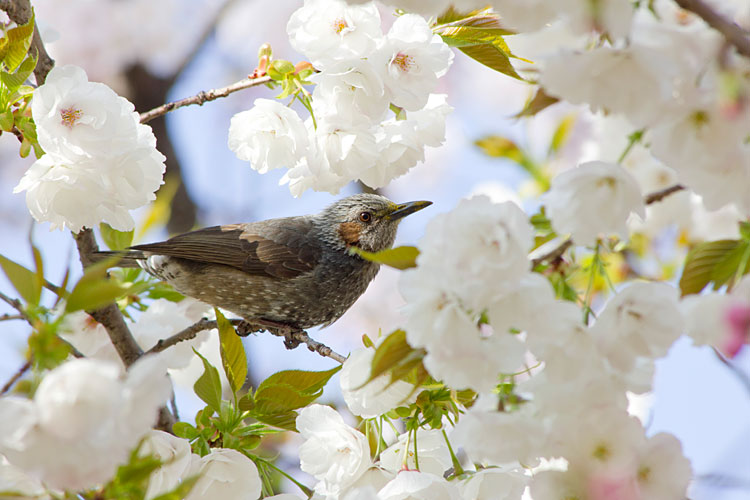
<point>367,221</point>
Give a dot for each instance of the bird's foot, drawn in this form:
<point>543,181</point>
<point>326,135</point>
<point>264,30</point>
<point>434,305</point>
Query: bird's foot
<point>246,328</point>
<point>289,332</point>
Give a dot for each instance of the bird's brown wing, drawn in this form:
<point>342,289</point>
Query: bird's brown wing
<point>280,248</point>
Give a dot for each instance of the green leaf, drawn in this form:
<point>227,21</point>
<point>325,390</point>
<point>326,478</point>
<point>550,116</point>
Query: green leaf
<point>403,257</point>
<point>185,430</point>
<point>162,290</point>
<point>14,81</point>
<point>498,146</point>
<point>745,230</point>
<point>391,351</point>
<point>180,491</point>
<point>462,36</point>
<point>701,263</point>
<point>276,399</point>
<point>114,239</point>
<point>232,353</point>
<point>19,41</point>
<point>540,221</point>
<point>246,402</point>
<point>492,56</point>
<point>728,267</point>
<point>561,134</point>
<point>208,385</point>
<point>279,69</point>
<point>301,381</point>
<point>287,421</point>
<point>6,120</point>
<point>95,289</point>
<point>27,283</point>
<point>537,103</point>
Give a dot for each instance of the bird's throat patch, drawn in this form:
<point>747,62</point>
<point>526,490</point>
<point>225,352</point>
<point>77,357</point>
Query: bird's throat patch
<point>349,232</point>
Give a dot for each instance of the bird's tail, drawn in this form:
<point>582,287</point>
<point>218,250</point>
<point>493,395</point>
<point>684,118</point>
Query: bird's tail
<point>124,258</point>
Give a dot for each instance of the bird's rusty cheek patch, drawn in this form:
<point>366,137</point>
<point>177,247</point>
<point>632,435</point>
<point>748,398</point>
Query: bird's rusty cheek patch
<point>350,232</point>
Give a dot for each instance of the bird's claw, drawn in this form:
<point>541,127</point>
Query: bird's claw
<point>246,328</point>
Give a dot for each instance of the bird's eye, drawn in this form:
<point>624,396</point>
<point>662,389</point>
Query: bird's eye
<point>365,217</point>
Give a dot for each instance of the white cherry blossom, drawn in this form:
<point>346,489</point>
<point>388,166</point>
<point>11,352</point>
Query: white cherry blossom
<point>593,199</point>
<point>413,58</point>
<point>100,162</point>
<point>88,414</point>
<point>269,135</point>
<point>327,31</point>
<point>334,453</point>
<point>225,473</point>
<point>375,397</point>
<point>643,319</point>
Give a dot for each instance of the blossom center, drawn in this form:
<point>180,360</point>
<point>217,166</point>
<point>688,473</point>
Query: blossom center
<point>69,116</point>
<point>339,25</point>
<point>602,452</point>
<point>404,61</point>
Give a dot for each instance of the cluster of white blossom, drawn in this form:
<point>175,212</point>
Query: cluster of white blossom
<point>99,162</point>
<point>85,419</point>
<point>338,456</point>
<point>667,72</point>
<point>362,73</point>
<point>481,315</point>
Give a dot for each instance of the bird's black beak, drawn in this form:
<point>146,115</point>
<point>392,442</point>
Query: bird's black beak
<point>405,209</point>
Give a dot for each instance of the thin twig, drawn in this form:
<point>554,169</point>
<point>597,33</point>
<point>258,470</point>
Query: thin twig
<point>15,304</point>
<point>188,333</point>
<point>15,377</point>
<point>293,337</point>
<point>662,193</point>
<point>559,250</point>
<point>553,254</point>
<point>9,317</point>
<point>204,96</point>
<point>741,376</point>
<point>733,33</point>
<point>301,336</point>
<point>208,30</point>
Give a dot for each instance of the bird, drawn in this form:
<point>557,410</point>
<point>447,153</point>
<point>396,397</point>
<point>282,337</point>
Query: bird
<point>295,272</point>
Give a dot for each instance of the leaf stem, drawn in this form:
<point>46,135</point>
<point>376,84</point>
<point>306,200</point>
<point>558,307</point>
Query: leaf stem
<point>456,464</point>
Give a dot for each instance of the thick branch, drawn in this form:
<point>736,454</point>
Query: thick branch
<point>733,33</point>
<point>203,96</point>
<point>19,11</point>
<point>109,316</point>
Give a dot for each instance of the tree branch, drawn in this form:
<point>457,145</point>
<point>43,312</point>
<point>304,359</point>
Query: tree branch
<point>188,333</point>
<point>293,337</point>
<point>742,377</point>
<point>19,11</point>
<point>109,316</point>
<point>553,254</point>
<point>662,193</point>
<point>15,377</point>
<point>203,97</point>
<point>733,33</point>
